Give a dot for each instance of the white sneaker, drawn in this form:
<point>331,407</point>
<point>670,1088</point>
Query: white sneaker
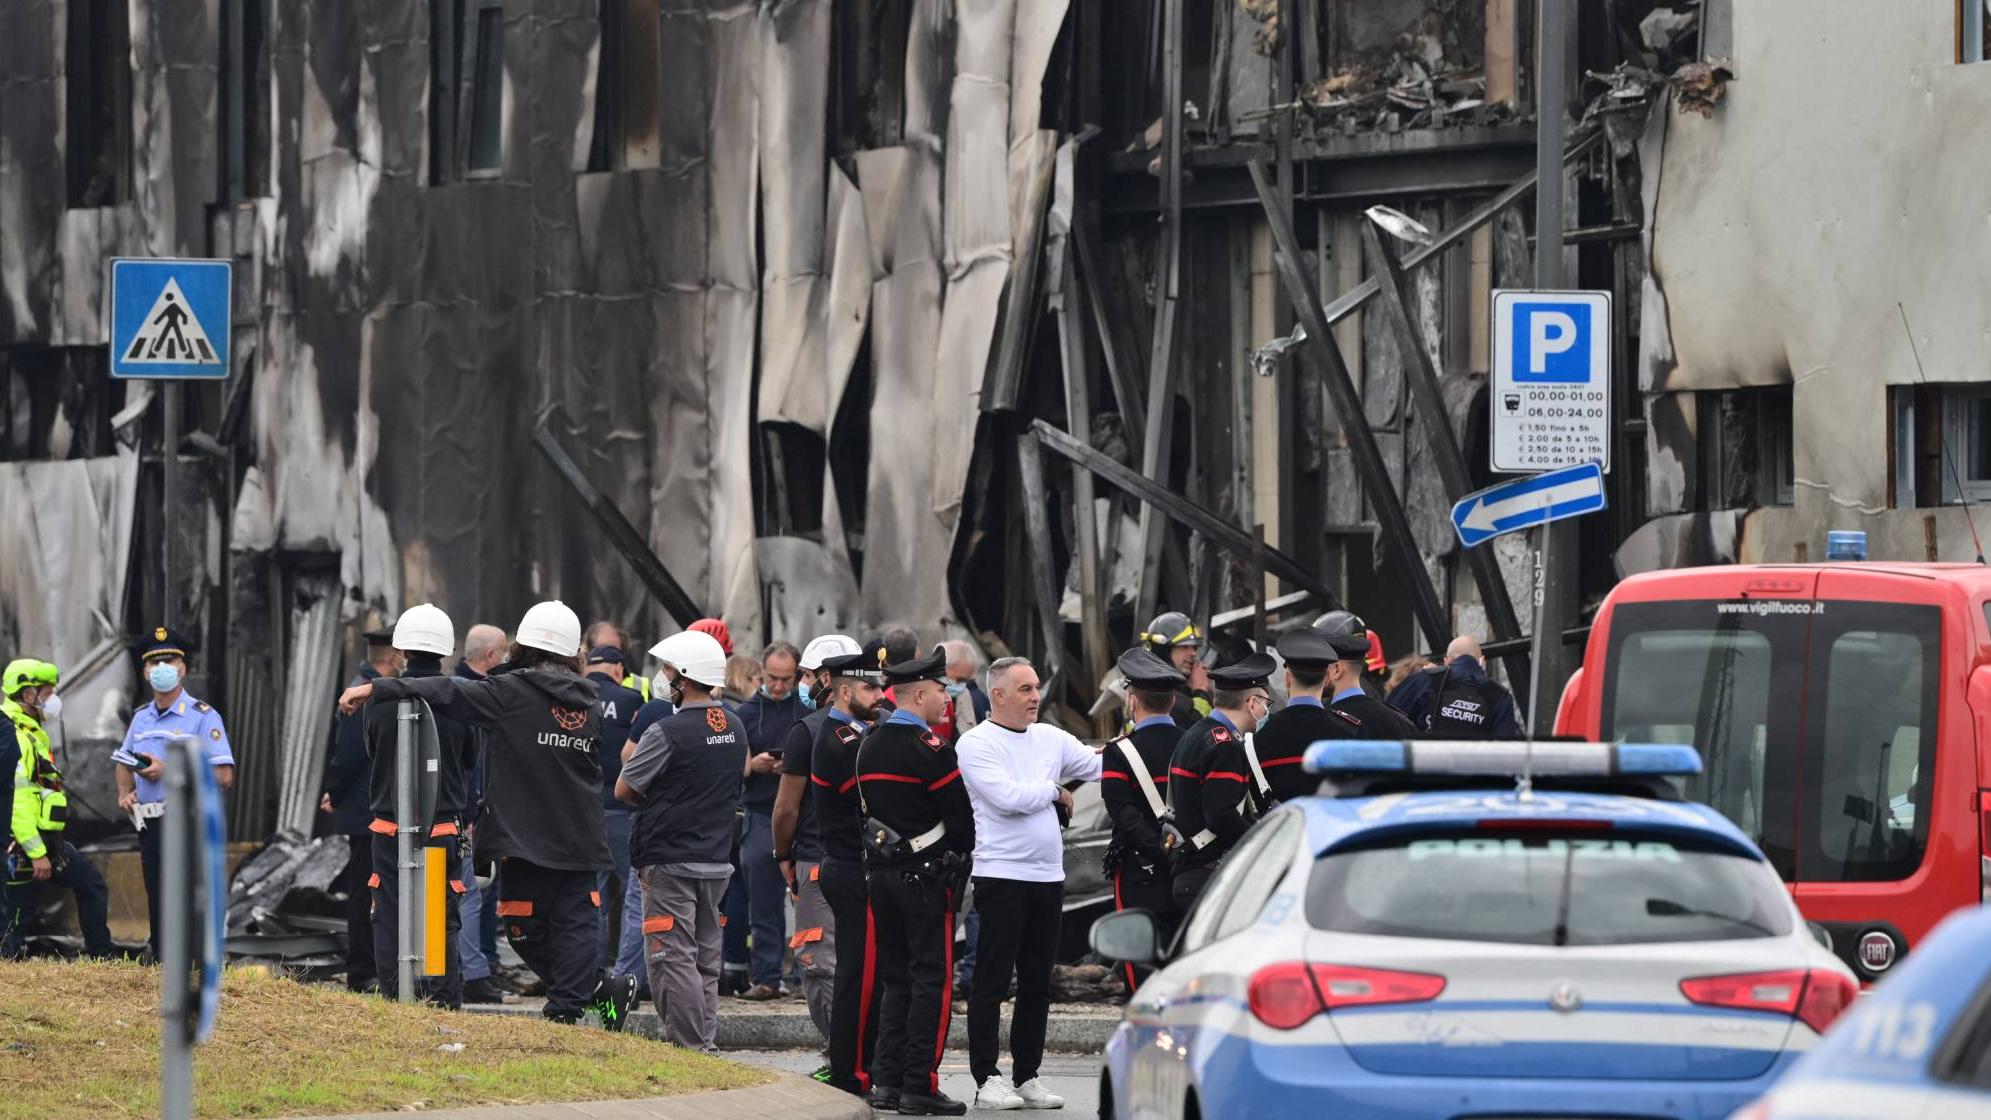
<point>999,1095</point>
<point>1035,1094</point>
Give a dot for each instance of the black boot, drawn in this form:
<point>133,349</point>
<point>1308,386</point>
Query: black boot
<point>930,1104</point>
<point>884,1100</point>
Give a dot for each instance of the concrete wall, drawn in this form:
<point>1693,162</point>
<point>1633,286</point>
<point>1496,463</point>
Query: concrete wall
<point>1843,174</point>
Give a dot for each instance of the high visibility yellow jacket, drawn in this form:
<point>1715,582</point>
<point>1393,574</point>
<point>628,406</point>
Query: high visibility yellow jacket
<point>39,803</point>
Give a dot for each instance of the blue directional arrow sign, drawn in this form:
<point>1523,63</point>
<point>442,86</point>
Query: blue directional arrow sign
<point>1527,502</point>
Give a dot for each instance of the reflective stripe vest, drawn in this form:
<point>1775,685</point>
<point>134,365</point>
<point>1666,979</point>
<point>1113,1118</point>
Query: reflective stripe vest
<point>39,803</point>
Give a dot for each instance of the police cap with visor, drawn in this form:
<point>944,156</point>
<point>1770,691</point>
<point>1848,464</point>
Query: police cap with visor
<point>1148,673</point>
<point>1307,649</point>
<point>1254,671</point>
<point>163,642</point>
<point>932,667</point>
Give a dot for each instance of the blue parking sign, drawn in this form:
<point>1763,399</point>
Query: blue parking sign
<point>169,317</point>
<point>1550,391</point>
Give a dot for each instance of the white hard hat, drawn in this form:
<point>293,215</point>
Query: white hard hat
<point>827,646</point>
<point>697,656</point>
<point>551,626</point>
<point>424,628</point>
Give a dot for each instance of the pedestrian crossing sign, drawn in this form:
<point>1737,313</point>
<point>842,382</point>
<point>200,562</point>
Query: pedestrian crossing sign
<point>169,318</point>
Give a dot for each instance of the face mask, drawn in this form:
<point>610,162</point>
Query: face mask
<point>957,689</point>
<point>51,708</point>
<point>808,696</point>
<point>163,677</point>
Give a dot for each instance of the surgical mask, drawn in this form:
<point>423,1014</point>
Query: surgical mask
<point>957,689</point>
<point>808,696</point>
<point>51,708</point>
<point>163,677</point>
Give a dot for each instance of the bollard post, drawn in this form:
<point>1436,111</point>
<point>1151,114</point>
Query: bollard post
<point>406,828</point>
<point>176,906</point>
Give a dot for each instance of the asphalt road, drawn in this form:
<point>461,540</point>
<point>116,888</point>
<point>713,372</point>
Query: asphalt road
<point>1072,1077</point>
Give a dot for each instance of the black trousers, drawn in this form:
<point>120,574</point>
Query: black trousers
<point>914,916</point>
<point>550,917</point>
<point>359,910</point>
<point>1138,888</point>
<point>1019,935</point>
<point>854,990</point>
<point>445,990</point>
<point>150,858</point>
<point>74,873</point>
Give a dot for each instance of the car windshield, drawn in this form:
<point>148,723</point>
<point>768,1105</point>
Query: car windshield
<point>1545,888</point>
<point>1815,720</point>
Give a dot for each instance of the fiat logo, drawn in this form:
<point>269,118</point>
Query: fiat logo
<point>1877,950</point>
<point>1564,997</point>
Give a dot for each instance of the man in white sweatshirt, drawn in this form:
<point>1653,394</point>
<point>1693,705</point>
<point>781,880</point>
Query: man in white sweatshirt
<point>1015,770</point>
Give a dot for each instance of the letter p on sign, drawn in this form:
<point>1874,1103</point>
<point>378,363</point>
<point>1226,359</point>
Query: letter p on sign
<point>1553,344</point>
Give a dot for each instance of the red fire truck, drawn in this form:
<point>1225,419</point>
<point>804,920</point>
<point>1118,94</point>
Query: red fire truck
<point>1843,711</point>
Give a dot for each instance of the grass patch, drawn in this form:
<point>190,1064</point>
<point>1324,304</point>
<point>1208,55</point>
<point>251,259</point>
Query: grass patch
<point>82,1040</point>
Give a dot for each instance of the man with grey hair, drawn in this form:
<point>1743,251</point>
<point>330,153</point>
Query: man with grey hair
<point>477,939</point>
<point>1015,770</point>
<point>967,704</point>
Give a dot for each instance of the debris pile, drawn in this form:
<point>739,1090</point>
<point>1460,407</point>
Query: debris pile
<point>1090,981</point>
<point>282,909</point>
<point>1414,88</point>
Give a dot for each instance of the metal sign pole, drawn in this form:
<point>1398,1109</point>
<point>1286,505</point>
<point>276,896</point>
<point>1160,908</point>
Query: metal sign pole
<point>1553,585</point>
<point>405,960</point>
<point>176,916</point>
<point>169,458</point>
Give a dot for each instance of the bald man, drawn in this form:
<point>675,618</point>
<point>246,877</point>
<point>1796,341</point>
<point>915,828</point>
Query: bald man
<point>1459,700</point>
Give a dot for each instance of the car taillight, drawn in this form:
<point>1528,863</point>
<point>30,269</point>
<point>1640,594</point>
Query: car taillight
<point>1815,997</point>
<point>1286,995</point>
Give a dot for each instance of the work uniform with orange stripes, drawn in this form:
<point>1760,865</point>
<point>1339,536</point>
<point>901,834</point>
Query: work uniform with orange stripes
<point>687,773</point>
<point>456,756</point>
<point>1210,788</point>
<point>919,836</point>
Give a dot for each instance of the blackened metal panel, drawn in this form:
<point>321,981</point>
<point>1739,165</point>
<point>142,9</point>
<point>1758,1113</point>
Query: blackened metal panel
<point>794,312</point>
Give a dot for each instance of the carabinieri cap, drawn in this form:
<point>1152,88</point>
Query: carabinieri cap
<point>1149,673</point>
<point>932,667</point>
<point>1307,649</point>
<point>862,666</point>
<point>1254,671</point>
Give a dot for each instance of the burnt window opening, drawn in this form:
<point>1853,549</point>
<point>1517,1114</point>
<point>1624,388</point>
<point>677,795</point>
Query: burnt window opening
<point>1747,454</point>
<point>628,126</point>
<point>57,403</point>
<point>868,74</point>
<point>790,486</point>
<point>466,89</point>
<point>1941,439</point>
<point>98,87</point>
<point>245,100</point>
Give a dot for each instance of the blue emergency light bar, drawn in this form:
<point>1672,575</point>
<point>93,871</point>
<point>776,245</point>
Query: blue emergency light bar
<point>1434,756</point>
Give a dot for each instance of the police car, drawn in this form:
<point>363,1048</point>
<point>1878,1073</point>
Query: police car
<point>1918,1046</point>
<point>1476,930</point>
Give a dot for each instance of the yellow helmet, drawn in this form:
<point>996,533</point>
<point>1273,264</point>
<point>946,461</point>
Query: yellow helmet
<point>26,672</point>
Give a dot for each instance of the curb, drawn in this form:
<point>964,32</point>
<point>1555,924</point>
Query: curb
<point>789,1098</point>
<point>1065,1033</point>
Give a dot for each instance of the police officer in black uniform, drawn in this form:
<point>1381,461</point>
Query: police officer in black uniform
<point>856,684</point>
<point>1133,784</point>
<point>1209,786</point>
<point>1371,718</point>
<point>919,832</point>
<point>1282,743</point>
<point>1176,640</point>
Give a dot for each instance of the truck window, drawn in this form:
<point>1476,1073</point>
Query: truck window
<point>1681,673</point>
<point>1816,721</point>
<point>1873,682</point>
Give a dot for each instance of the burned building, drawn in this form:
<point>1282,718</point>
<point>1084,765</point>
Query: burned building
<point>983,316</point>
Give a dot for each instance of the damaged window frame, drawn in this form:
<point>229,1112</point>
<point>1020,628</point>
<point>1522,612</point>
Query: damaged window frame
<point>245,100</point>
<point>628,121</point>
<point>1956,418</point>
<point>466,100</point>
<point>1764,439</point>
<point>98,154</point>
